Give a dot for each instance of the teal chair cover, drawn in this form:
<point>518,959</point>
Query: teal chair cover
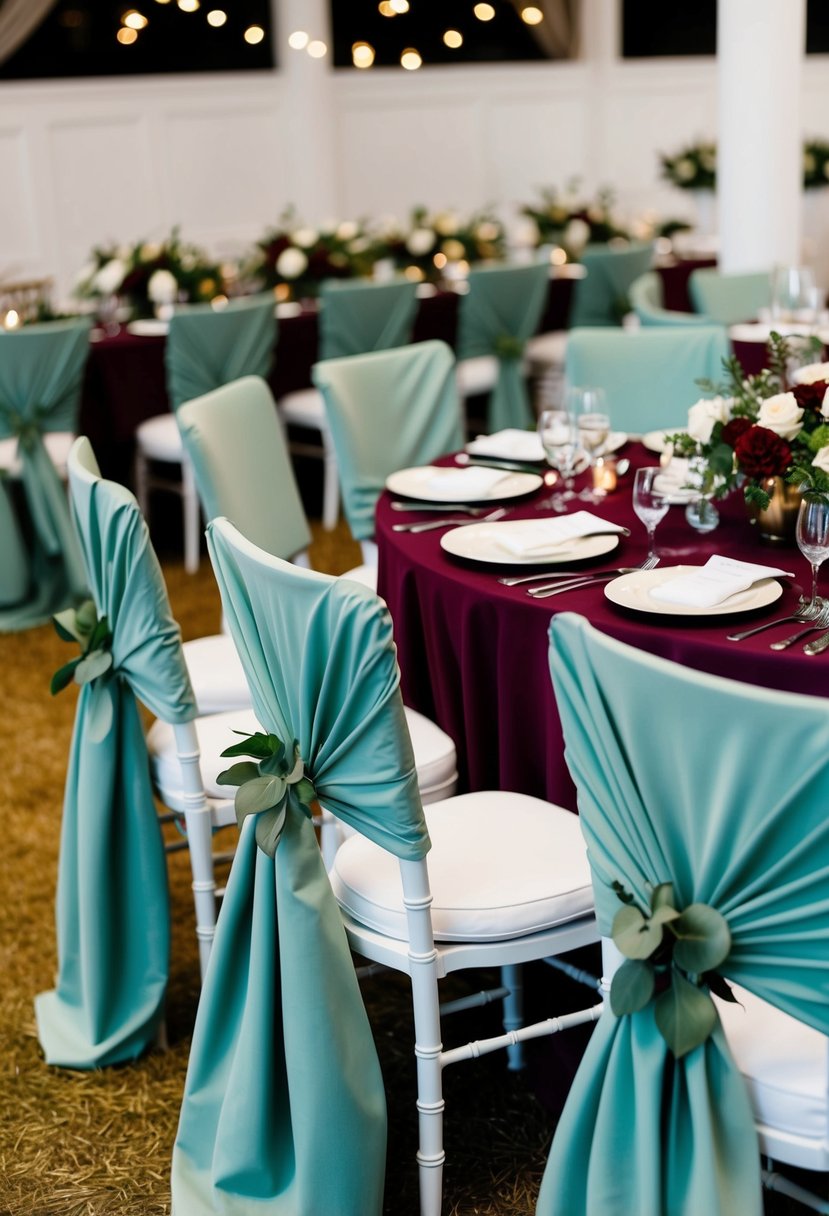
<point>236,427</point>
<point>360,317</point>
<point>649,375</point>
<point>210,346</point>
<point>112,904</point>
<point>722,789</point>
<point>284,1109</point>
<point>388,411</point>
<point>646,300</point>
<point>726,299</point>
<point>41,372</point>
<point>602,296</point>
<point>497,316</point>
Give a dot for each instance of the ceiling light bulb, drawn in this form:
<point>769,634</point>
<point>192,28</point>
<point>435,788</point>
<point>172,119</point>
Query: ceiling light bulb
<point>134,20</point>
<point>385,9</point>
<point>411,59</point>
<point>399,6</point>
<point>531,14</point>
<point>362,54</point>
<point>453,39</point>
<point>216,17</point>
<point>254,34</point>
<point>126,36</point>
<point>484,12</point>
<point>188,6</point>
<point>317,49</point>
<point>298,40</point>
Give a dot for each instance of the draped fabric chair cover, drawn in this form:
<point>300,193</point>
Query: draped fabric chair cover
<point>112,903</point>
<point>649,375</point>
<point>210,346</point>
<point>236,428</point>
<point>41,372</point>
<point>646,300</point>
<point>722,789</point>
<point>601,297</point>
<point>498,315</point>
<point>727,299</point>
<point>388,411</point>
<point>284,1109</point>
<point>360,317</point>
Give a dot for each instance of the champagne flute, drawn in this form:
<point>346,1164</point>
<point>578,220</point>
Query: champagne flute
<point>649,502</point>
<point>558,432</point>
<point>813,538</point>
<point>589,405</point>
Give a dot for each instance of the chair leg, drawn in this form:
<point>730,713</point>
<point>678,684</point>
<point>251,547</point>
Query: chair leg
<point>191,518</point>
<point>512,978</point>
<point>330,485</point>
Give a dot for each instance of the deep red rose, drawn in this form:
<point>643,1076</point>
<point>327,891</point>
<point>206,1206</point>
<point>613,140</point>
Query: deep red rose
<point>732,430</point>
<point>760,453</point>
<point>272,249</point>
<point>810,396</point>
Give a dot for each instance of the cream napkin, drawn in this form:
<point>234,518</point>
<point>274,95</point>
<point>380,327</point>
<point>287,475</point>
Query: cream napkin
<point>511,444</point>
<point>713,583</point>
<point>537,537</point>
<point>460,485</point>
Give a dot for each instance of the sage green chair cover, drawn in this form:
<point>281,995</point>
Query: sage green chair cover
<point>648,375</point>
<point>359,317</point>
<point>210,346</point>
<point>728,298</point>
<point>236,427</point>
<point>497,316</point>
<point>112,905</point>
<point>388,411</point>
<point>284,1109</point>
<point>646,300</point>
<point>720,788</point>
<point>602,296</point>
<point>41,373</point>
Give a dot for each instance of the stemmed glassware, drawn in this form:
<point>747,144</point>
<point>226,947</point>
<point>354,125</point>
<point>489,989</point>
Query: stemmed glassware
<point>559,435</point>
<point>589,407</point>
<point>649,502</point>
<point>813,538</point>
<point>794,296</point>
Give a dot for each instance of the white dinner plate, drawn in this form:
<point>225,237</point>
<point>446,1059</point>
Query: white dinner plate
<point>760,331</point>
<point>148,327</point>
<point>420,483</point>
<point>614,441</point>
<point>654,441</point>
<point>481,543</point>
<point>633,591</point>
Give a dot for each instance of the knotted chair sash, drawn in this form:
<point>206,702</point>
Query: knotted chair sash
<point>284,1109</point>
<point>359,317</point>
<point>207,346</point>
<point>725,797</point>
<point>112,903</point>
<point>497,317</point>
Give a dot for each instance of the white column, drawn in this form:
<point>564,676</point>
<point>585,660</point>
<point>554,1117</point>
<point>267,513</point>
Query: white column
<point>311,176</point>
<point>760,50</point>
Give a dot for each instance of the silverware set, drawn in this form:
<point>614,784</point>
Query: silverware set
<point>812,616</point>
<point>449,522</point>
<point>570,580</point>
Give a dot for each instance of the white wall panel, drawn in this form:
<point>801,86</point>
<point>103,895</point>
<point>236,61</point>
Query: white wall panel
<point>18,236</point>
<point>532,143</point>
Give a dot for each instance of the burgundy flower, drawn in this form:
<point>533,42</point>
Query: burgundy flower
<point>760,453</point>
<point>810,396</point>
<point>732,430</point>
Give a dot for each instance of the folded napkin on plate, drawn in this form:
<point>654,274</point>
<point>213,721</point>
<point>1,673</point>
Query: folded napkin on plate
<point>511,444</point>
<point>461,484</point>
<point>712,583</point>
<point>536,537</point>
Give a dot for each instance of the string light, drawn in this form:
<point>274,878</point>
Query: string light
<point>484,12</point>
<point>126,36</point>
<point>253,34</point>
<point>410,59</point>
<point>188,6</point>
<point>298,40</point>
<point>386,9</point>
<point>399,6</point>
<point>362,54</point>
<point>216,17</point>
<point>134,20</point>
<point>531,14</point>
<point>453,39</point>
<point>317,49</point>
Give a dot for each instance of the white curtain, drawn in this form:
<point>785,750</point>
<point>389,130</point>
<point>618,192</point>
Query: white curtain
<point>19,19</point>
<point>558,33</point>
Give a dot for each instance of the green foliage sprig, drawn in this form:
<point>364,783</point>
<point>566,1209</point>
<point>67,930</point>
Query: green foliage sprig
<point>671,958</point>
<point>267,783</point>
<point>93,635</point>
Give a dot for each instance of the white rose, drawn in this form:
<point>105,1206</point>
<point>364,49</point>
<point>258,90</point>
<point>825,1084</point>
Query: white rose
<point>162,287</point>
<point>291,263</point>
<point>821,460</point>
<point>110,277</point>
<point>824,405</point>
<point>347,230</point>
<point>781,414</point>
<point>446,223</point>
<point>305,237</point>
<point>149,251</point>
<point>576,234</point>
<point>811,373</point>
<point>488,230</point>
<point>685,169</point>
<point>420,241</point>
<point>704,414</point>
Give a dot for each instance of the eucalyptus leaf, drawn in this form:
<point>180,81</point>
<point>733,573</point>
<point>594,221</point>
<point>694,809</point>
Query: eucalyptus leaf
<point>305,791</point>
<point>622,894</point>
<point>276,762</point>
<point>258,745</point>
<point>631,987</point>
<point>100,634</point>
<point>259,794</point>
<point>238,774</point>
<point>635,936</point>
<point>664,915</point>
<point>703,938</point>
<point>86,617</point>
<point>66,625</point>
<point>685,1015</point>
<point>720,987</point>
<point>63,676</point>
<point>93,664</point>
<point>662,895</point>
<point>269,827</point>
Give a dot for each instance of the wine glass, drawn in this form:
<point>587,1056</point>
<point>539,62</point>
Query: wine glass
<point>559,435</point>
<point>649,502</point>
<point>794,296</point>
<point>589,407</point>
<point>813,538</point>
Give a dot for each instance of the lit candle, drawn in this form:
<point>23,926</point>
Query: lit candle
<point>604,474</point>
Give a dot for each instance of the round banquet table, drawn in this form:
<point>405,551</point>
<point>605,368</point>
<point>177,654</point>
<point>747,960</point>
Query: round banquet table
<point>473,653</point>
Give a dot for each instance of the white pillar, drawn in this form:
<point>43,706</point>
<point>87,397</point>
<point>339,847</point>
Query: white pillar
<point>309,122</point>
<point>760,50</point>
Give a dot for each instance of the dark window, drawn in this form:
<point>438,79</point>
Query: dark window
<point>652,27</point>
<point>817,27</point>
<point>80,38</point>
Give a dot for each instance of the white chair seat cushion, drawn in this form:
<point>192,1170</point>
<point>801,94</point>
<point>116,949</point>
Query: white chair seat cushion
<point>216,674</point>
<point>476,375</point>
<point>159,439</point>
<point>367,575</point>
<point>57,444</point>
<point>502,865</point>
<point>435,757</point>
<point>784,1063</point>
<point>547,349</point>
<point>305,407</point>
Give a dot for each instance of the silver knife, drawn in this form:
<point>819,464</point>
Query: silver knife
<point>818,645</point>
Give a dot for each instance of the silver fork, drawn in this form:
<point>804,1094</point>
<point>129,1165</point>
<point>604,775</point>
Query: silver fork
<point>817,622</point>
<point>807,613</point>
<point>436,506</point>
<point>498,513</point>
<point>543,593</point>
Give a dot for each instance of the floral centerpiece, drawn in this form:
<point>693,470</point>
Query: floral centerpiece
<point>753,430</point>
<point>692,168</point>
<point>815,164</point>
<point>294,258</point>
<point>432,242</point>
<point>573,222</point>
<point>151,276</point>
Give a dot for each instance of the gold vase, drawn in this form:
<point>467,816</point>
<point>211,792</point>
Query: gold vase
<point>776,524</point>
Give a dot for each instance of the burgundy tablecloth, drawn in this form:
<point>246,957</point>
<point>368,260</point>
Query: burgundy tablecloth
<point>675,278</point>
<point>473,653</point>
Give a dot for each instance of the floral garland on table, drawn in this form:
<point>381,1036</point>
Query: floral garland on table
<point>695,166</point>
<point>572,222</point>
<point>429,244</point>
<point>815,164</point>
<point>294,258</point>
<point>756,428</point>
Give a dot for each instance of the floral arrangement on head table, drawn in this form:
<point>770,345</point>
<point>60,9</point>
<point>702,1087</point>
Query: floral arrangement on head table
<point>752,429</point>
